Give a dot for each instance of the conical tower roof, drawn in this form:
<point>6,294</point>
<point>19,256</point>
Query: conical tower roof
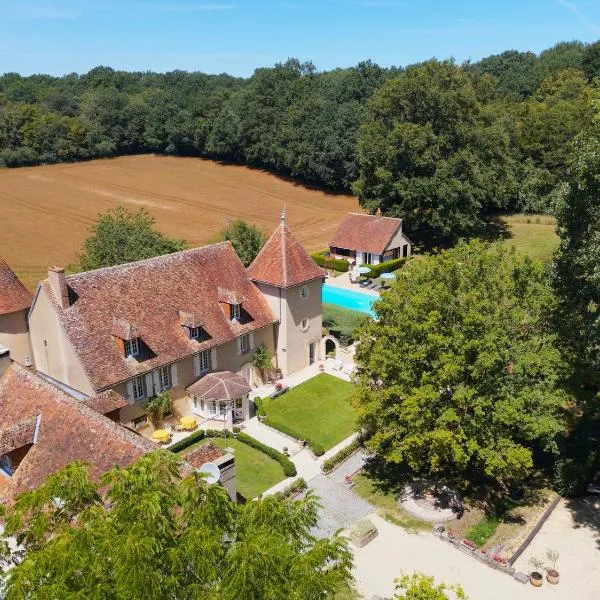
<point>283,261</point>
<point>13,294</point>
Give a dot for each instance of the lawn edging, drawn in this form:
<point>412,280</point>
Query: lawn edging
<point>341,455</point>
<point>289,469</point>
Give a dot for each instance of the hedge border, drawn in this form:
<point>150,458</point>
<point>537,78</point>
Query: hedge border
<point>317,449</point>
<point>337,264</point>
<point>385,267</point>
<point>289,469</point>
<point>339,457</point>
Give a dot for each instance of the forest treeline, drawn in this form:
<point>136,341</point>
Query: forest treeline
<point>491,135</point>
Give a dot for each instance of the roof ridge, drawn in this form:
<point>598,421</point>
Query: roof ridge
<point>284,252</point>
<point>143,261</point>
<point>375,216</point>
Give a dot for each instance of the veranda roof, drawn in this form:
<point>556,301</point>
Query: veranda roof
<point>221,385</point>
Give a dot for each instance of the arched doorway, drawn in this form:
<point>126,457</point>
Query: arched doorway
<point>329,347</point>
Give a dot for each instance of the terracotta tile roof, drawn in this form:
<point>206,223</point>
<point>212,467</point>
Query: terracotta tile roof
<point>106,402</point>
<point>188,319</point>
<point>369,233</point>
<point>223,385</point>
<point>229,296</point>
<point>203,454</point>
<point>151,293</point>
<point>283,261</point>
<point>13,294</point>
<point>67,431</point>
<point>18,435</point>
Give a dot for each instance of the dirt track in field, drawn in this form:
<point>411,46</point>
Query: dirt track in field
<point>45,212</point>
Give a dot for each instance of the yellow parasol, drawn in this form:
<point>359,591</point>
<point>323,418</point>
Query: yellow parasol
<point>161,435</point>
<point>188,422</point>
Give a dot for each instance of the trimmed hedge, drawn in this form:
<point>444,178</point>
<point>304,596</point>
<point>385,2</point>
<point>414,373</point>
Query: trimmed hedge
<point>336,264</point>
<point>297,486</point>
<point>317,449</point>
<point>385,267</point>
<point>289,468</point>
<point>342,455</point>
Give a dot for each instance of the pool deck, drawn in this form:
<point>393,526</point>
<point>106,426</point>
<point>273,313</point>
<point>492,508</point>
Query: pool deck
<point>343,281</point>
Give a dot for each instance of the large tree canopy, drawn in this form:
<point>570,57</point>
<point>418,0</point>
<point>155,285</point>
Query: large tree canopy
<point>458,377</point>
<point>246,239</point>
<point>120,236</point>
<point>146,533</point>
<point>430,154</point>
<point>577,265</point>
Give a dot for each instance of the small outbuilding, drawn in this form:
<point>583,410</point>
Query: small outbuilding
<point>369,239</point>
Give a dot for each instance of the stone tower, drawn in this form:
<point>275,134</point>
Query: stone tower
<point>291,283</point>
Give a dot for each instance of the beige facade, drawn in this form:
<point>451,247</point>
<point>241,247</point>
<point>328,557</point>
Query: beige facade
<point>183,373</point>
<point>14,335</point>
<point>301,320</point>
<point>52,351</point>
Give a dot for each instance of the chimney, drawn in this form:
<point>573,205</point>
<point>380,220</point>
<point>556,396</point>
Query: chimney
<point>58,284</point>
<point>4,360</point>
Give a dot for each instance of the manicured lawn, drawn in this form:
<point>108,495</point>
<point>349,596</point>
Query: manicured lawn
<point>342,321</point>
<point>386,503</point>
<point>318,410</point>
<point>255,471</point>
<point>533,234</point>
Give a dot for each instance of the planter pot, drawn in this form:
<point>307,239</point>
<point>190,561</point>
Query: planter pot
<point>552,576</point>
<point>536,579</point>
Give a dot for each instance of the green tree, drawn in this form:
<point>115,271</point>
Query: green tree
<point>157,407</point>
<point>120,236</point>
<point>146,532</point>
<point>421,587</point>
<point>246,239</point>
<point>591,60</point>
<point>263,360</point>
<point>458,376</point>
<point>430,154</point>
<point>577,277</point>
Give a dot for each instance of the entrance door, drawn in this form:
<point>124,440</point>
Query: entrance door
<point>311,353</point>
<point>238,409</point>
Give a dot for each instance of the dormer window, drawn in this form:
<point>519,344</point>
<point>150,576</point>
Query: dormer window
<point>235,311</point>
<point>132,347</point>
<point>6,465</point>
<point>197,333</point>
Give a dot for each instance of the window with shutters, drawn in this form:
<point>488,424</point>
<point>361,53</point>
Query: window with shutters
<point>164,378</point>
<point>245,343</point>
<point>132,347</point>
<point>139,387</point>
<point>204,358</point>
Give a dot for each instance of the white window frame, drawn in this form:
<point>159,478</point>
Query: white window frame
<point>164,378</point>
<point>195,333</point>
<point>244,343</point>
<point>236,311</point>
<point>132,347</point>
<point>304,325</point>
<point>139,387</point>
<point>304,292</point>
<point>204,361</point>
<point>213,408</point>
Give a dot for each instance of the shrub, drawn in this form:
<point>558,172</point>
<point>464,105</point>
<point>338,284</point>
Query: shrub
<point>335,264</point>
<point>342,455</point>
<point>258,404</point>
<point>295,487</point>
<point>481,532</point>
<point>289,469</point>
<point>385,267</point>
<point>188,441</point>
<point>342,322</point>
<point>571,476</point>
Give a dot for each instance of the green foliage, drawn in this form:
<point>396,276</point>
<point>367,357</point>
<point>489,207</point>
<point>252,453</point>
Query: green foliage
<point>262,359</point>
<point>385,267</point>
<point>120,236</point>
<point>591,61</point>
<point>571,475</point>
<point>475,395</point>
<point>342,322</point>
<point>342,455</point>
<point>146,532</point>
<point>289,469</point>
<point>421,587</point>
<point>246,239</point>
<point>577,278</point>
<point>158,406</point>
<point>335,264</point>
<point>294,488</point>
<point>481,532</point>
<point>429,153</point>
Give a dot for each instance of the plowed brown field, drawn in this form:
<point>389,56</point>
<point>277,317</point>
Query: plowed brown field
<point>45,212</point>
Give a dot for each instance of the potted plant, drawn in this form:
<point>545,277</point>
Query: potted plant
<point>156,408</point>
<point>263,361</point>
<point>450,533</point>
<point>286,452</point>
<point>535,577</point>
<point>469,544</point>
<point>551,573</point>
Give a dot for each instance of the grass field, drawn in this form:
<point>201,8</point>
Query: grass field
<point>47,210</point>
<point>533,234</point>
<point>318,410</point>
<point>255,472</point>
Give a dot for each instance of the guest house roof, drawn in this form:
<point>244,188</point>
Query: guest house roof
<point>368,233</point>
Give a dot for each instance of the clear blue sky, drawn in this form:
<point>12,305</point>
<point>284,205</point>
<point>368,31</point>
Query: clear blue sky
<point>236,36</point>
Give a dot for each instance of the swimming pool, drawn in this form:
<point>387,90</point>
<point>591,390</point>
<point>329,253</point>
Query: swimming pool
<point>349,299</point>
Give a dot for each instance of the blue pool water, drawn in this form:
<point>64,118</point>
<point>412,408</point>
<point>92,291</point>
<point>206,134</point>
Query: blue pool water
<point>349,299</point>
